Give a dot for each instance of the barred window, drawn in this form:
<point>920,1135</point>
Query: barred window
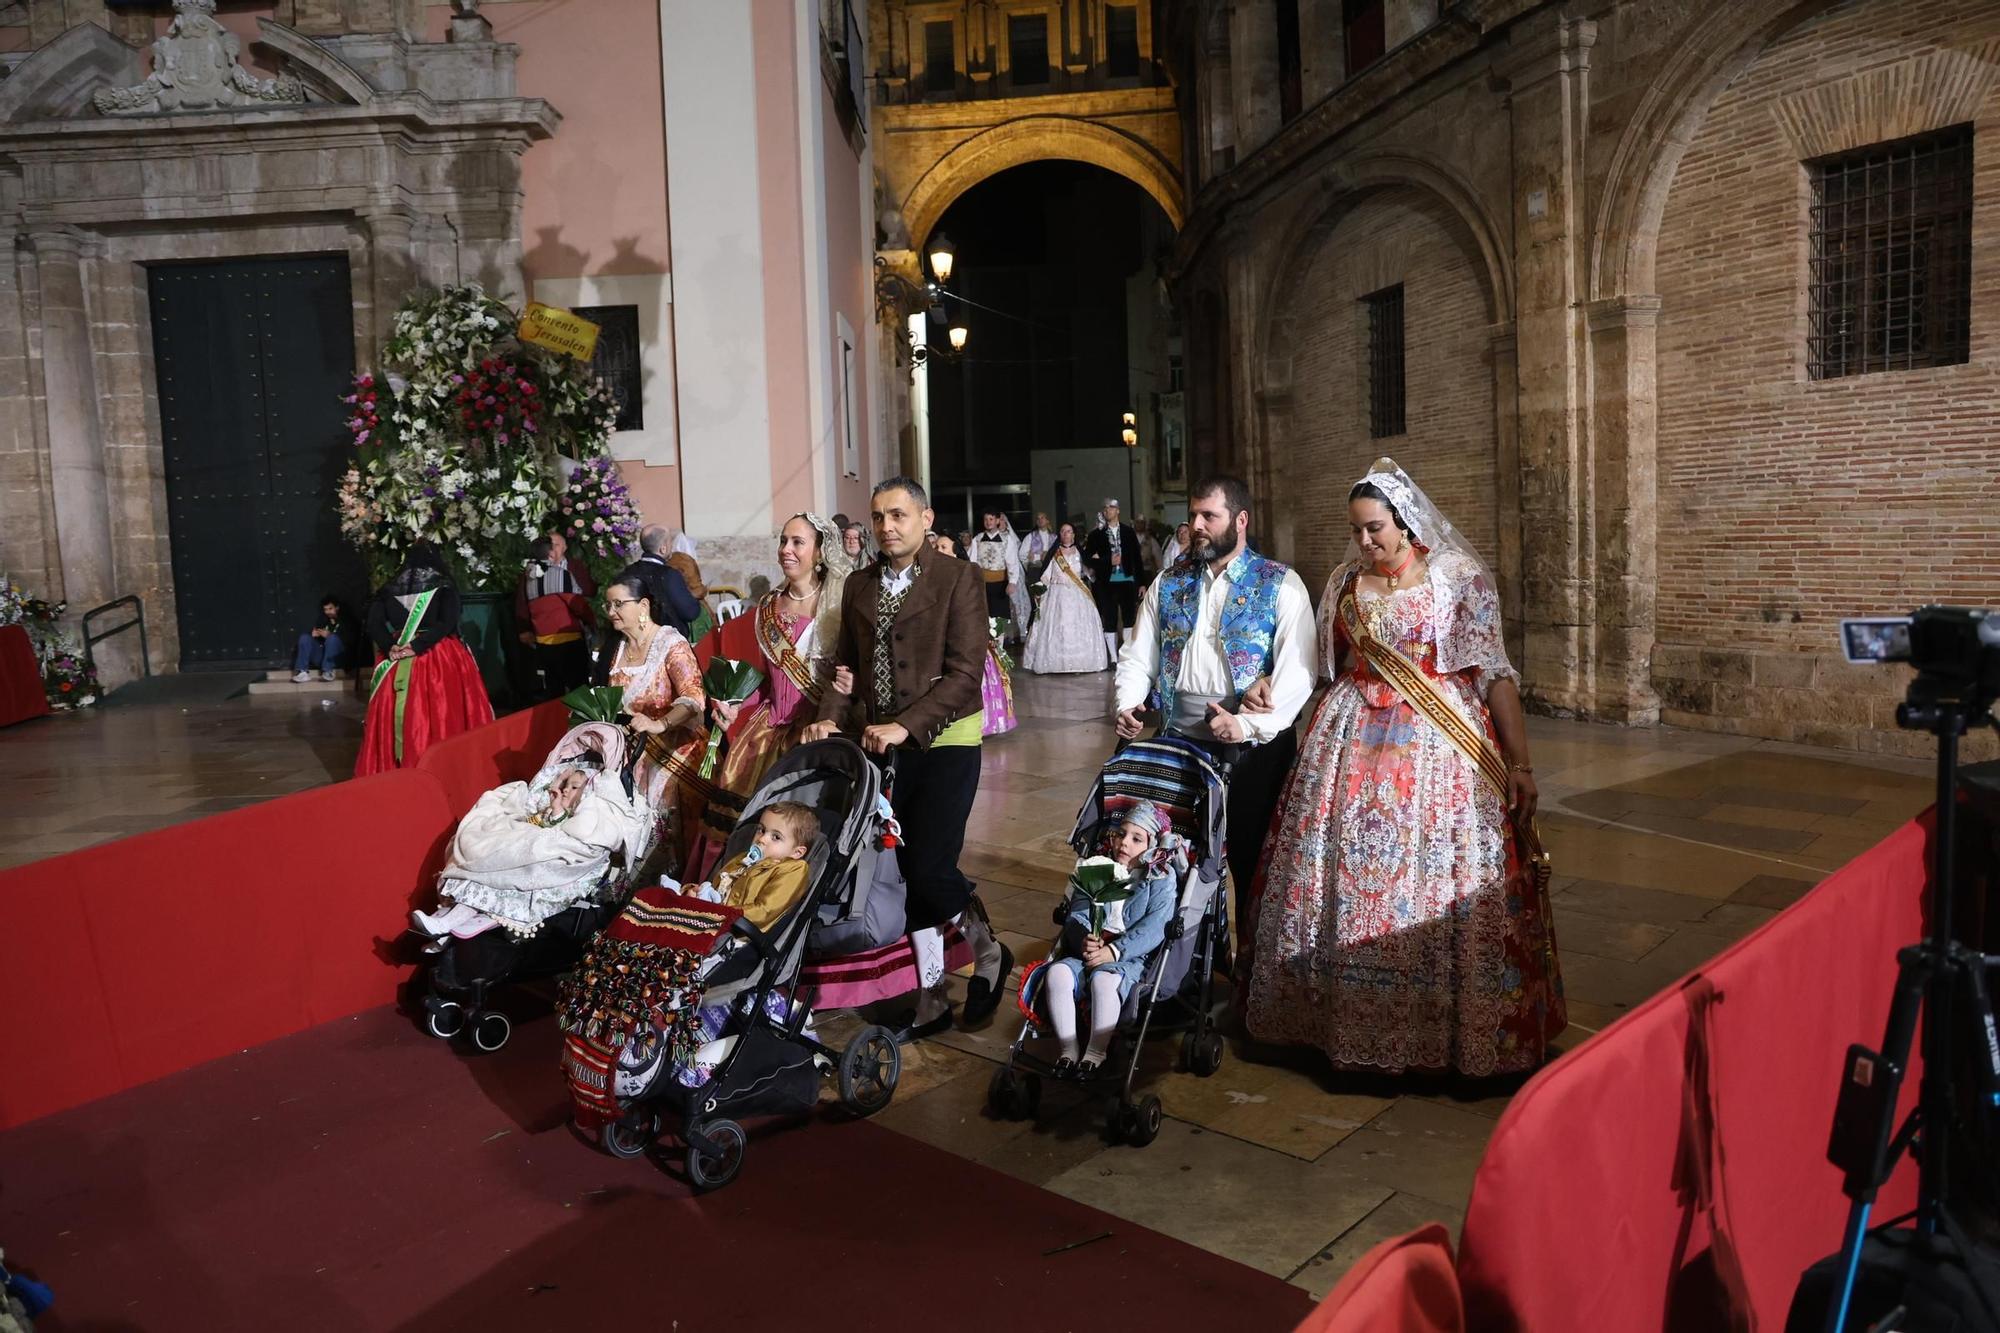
<point>1891,280</point>
<point>1121,40</point>
<point>1385,362</point>
<point>940,65</point>
<point>1028,49</point>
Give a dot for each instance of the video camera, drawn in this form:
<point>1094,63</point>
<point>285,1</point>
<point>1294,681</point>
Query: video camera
<point>1955,649</point>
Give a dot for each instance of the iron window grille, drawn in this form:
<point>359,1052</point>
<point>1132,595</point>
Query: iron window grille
<point>940,64</point>
<point>1385,362</point>
<point>1121,36</point>
<point>1028,49</point>
<point>1891,256</point>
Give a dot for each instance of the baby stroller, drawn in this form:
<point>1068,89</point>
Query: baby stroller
<point>776,1062</point>
<point>1182,780</point>
<point>464,974</point>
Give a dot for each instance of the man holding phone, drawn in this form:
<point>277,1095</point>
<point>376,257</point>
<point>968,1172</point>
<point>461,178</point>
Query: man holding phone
<point>1208,631</point>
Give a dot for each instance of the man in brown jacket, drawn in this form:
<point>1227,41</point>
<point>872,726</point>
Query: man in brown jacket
<point>913,634</point>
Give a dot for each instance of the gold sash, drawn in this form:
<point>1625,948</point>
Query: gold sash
<point>780,651</point>
<point>1064,566</point>
<point>1421,692</point>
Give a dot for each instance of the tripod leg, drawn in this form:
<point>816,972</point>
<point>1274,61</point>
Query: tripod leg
<point>1850,1264</point>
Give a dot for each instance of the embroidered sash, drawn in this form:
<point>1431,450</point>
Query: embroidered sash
<point>400,668</point>
<point>1069,568</point>
<point>1420,691</point>
<point>781,652</point>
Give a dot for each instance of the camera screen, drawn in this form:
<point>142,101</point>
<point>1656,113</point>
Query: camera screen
<point>1876,640</point>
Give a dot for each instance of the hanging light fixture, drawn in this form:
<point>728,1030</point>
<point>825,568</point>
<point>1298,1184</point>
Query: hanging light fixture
<point>942,255</point>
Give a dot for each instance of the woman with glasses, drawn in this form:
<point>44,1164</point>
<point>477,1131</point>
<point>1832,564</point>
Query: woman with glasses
<point>655,666</point>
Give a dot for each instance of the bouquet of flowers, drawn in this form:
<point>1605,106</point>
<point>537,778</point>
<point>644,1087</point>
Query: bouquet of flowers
<point>598,517</point>
<point>997,628</point>
<point>594,703</point>
<point>68,678</point>
<point>1100,881</point>
<point>458,440</point>
<point>732,682</point>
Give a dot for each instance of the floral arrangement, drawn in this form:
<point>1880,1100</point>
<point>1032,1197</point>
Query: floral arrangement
<point>465,438</point>
<point>732,682</point>
<point>68,678</point>
<point>1100,881</point>
<point>597,515</point>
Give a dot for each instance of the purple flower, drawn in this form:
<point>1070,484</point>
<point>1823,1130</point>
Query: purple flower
<point>430,490</point>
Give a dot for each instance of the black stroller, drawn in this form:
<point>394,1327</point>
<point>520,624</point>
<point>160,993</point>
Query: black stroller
<point>1181,779</point>
<point>464,973</point>
<point>775,1064</point>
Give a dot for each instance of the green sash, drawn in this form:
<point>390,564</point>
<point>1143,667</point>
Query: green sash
<point>400,669</point>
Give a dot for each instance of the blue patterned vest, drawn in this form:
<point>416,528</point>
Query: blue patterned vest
<point>1249,619</point>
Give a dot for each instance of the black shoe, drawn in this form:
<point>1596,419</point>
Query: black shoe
<point>915,1031</point>
<point>982,997</point>
<point>1086,1069</point>
<point>1064,1068</point>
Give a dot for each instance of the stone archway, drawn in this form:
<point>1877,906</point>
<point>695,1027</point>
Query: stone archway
<point>1455,210</point>
<point>1027,139</point>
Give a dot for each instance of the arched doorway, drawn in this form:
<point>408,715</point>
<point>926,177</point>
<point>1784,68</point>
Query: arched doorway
<point>1069,328</point>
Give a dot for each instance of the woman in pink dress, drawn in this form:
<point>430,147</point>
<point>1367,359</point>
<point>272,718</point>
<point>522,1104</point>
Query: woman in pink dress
<point>654,665</point>
<point>789,637</point>
<point>1394,926</point>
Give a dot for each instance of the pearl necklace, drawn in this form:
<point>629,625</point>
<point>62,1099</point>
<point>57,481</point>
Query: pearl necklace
<point>794,597</point>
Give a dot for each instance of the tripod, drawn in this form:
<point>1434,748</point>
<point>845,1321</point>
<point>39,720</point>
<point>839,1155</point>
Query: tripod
<point>1932,976</point>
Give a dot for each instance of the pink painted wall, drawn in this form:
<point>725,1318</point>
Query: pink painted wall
<point>594,196</point>
<point>849,257</point>
<point>774,38</point>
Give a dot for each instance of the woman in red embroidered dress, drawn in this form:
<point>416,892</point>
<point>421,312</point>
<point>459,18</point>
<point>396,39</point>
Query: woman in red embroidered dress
<point>788,636</point>
<point>1395,928</point>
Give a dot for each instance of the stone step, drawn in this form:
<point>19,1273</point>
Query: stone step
<point>284,684</point>
<point>285,674</point>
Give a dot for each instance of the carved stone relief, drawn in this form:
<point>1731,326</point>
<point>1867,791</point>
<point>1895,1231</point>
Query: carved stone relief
<point>195,69</point>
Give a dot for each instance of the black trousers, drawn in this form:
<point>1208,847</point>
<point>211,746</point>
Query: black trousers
<point>1257,777</point>
<point>563,666</point>
<point>932,794</point>
<point>997,601</point>
<point>1117,604</point>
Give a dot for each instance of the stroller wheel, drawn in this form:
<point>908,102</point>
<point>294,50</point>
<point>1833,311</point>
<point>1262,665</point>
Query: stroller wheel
<point>713,1170</point>
<point>443,1019</point>
<point>631,1135</point>
<point>1202,1052</point>
<point>1140,1125</point>
<point>1012,1095</point>
<point>869,1069</point>
<point>490,1033</point>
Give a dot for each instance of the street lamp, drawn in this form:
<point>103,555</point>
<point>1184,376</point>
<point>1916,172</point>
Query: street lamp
<point>942,254</point>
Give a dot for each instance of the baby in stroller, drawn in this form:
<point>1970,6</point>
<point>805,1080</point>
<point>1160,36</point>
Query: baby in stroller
<point>1109,932</point>
<point>771,874</point>
<point>528,850</point>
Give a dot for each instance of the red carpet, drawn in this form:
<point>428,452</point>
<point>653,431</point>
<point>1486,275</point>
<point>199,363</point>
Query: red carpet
<point>359,1176</point>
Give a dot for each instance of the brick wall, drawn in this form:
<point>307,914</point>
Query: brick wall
<point>1785,504</point>
<point>1398,235</point>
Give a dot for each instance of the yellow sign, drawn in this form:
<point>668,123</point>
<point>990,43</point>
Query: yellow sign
<point>558,330</point>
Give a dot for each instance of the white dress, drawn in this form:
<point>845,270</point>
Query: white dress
<point>1067,635</point>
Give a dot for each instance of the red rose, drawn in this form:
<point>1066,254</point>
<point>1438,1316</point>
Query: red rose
<point>67,687</point>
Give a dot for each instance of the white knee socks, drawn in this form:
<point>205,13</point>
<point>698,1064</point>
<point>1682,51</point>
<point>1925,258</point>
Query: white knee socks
<point>1103,1015</point>
<point>1062,1011</point>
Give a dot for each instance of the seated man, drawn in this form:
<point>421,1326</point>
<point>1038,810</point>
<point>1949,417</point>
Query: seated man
<point>323,648</point>
<point>553,608</point>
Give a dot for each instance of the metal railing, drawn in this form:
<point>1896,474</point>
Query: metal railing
<point>138,622</point>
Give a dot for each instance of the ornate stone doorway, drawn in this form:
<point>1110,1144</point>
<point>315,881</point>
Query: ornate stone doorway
<point>251,357</point>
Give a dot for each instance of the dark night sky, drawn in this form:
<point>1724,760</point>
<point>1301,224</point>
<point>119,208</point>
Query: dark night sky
<point>1052,244</point>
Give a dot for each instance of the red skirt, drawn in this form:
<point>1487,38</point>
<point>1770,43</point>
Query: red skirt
<point>446,696</point>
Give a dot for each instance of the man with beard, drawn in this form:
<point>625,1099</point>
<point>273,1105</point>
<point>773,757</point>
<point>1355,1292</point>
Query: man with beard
<point>1210,628</point>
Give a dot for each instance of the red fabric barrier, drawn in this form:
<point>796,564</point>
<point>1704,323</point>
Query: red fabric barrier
<point>1404,1285</point>
<point>1654,1179</point>
<point>508,749</point>
<point>21,692</point>
<point>140,957</point>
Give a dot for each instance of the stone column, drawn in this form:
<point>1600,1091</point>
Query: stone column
<point>1253,69</point>
<point>1507,474</point>
<point>76,437</point>
<point>28,548</point>
<point>1322,49</point>
<point>392,261</point>
<point>1549,106</point>
<point>1624,419</point>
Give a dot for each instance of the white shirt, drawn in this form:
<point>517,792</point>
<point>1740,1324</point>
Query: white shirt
<point>892,582</point>
<point>1205,666</point>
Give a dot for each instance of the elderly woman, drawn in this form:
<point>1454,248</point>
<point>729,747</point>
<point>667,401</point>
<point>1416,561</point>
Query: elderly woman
<point>789,637</point>
<point>1395,928</point>
<point>656,668</point>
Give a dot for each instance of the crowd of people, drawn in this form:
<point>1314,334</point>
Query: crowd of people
<point>1385,908</point>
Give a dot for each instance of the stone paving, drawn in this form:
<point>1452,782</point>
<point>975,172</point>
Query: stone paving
<point>1668,846</point>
